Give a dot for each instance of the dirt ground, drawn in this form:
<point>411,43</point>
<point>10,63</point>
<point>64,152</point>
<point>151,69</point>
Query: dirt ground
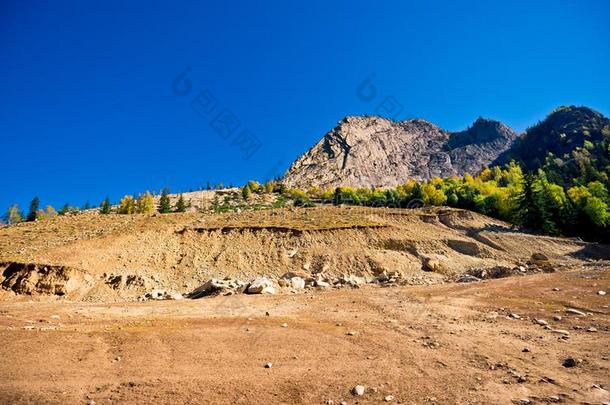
<point>443,344</point>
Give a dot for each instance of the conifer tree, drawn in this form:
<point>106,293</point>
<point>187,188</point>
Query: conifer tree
<point>34,206</point>
<point>105,206</point>
<point>180,204</point>
<point>164,202</point>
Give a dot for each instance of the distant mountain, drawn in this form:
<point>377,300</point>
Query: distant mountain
<point>365,151</point>
<point>572,143</point>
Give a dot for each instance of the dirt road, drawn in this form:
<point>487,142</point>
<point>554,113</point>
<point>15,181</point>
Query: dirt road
<point>444,344</point>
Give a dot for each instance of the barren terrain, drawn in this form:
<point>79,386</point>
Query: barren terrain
<point>381,308</point>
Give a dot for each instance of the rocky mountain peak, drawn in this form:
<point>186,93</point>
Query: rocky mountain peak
<point>365,151</point>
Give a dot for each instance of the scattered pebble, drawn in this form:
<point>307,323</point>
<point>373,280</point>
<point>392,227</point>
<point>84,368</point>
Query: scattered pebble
<point>557,318</point>
<point>358,390</point>
<point>268,365</point>
<point>284,325</point>
<point>351,333</point>
<point>388,398</point>
<point>541,322</point>
<point>525,350</point>
<point>592,329</point>
<point>555,289</point>
<point>601,293</point>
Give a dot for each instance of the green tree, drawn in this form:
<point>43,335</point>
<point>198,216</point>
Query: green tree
<point>246,192</point>
<point>180,204</point>
<point>105,206</point>
<point>34,206</point>
<point>165,206</point>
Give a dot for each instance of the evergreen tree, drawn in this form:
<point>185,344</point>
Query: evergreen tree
<point>105,206</point>
<point>86,206</point>
<point>180,204</point>
<point>34,206</point>
<point>65,209</point>
<point>246,192</point>
<point>164,202</point>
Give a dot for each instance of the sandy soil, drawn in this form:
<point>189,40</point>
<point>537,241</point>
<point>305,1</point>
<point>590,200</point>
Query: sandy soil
<point>444,344</point>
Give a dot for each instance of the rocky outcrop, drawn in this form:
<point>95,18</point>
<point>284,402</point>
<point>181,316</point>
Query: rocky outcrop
<point>32,278</point>
<point>374,151</point>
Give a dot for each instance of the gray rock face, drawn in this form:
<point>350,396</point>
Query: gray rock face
<point>374,151</point>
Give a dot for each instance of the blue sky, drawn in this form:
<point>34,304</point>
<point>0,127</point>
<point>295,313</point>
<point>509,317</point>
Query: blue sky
<point>89,106</point>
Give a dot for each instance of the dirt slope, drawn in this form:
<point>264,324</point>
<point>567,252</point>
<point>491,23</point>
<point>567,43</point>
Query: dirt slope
<point>115,257</point>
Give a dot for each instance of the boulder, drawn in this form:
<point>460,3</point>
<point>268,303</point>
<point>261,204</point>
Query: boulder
<point>297,283</point>
<point>261,285</point>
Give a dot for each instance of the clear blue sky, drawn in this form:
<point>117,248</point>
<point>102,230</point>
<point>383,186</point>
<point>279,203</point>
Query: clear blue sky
<point>88,108</point>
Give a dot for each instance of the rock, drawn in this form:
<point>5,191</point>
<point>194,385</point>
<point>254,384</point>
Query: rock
<point>351,333</point>
<point>283,282</point>
<point>555,289</point>
<point>557,318</point>
<point>525,350</point>
<point>297,283</point>
<point>560,332</point>
<point>358,390</point>
<point>541,322</point>
<point>322,284</point>
<point>261,285</point>
<point>433,265</point>
<point>574,311</point>
<point>291,253</point>
<point>399,149</point>
<point>514,316</point>
<point>210,287</point>
<point>388,398</point>
<point>569,362</point>
<point>601,293</point>
<point>592,329</point>
<point>268,365</point>
<point>467,278</point>
<point>539,259</point>
<point>284,325</point>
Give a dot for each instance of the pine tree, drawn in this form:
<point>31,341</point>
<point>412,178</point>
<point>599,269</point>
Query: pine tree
<point>65,209</point>
<point>86,206</point>
<point>164,202</point>
<point>33,214</point>
<point>105,206</point>
<point>246,192</point>
<point>526,213</point>
<point>180,204</point>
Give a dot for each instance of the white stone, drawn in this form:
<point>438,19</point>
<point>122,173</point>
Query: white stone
<point>297,283</point>
<point>261,285</point>
<point>358,390</point>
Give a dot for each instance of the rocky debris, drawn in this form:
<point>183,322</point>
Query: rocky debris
<point>401,150</point>
<point>261,285</point>
<point>351,333</point>
<point>433,265</point>
<point>557,318</point>
<point>388,398</point>
<point>574,311</point>
<point>541,322</point>
<point>214,286</point>
<point>162,295</point>
<point>591,329</point>
<point>601,292</point>
<point>560,332</point>
<point>268,365</point>
<point>358,390</point>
